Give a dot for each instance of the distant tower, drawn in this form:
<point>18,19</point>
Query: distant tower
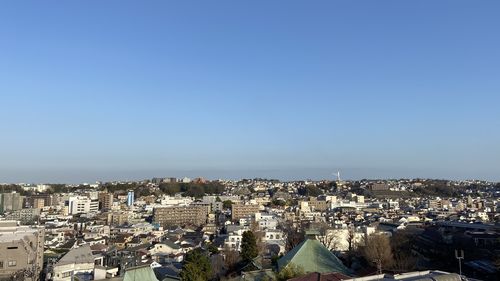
<point>340,183</point>
<point>130,198</point>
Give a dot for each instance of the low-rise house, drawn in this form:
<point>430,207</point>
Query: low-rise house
<point>79,262</point>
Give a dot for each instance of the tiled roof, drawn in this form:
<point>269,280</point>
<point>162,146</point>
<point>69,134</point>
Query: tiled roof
<point>82,254</point>
<point>312,256</point>
<point>141,273</point>
<point>316,276</point>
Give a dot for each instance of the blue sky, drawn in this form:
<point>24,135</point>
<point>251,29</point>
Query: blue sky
<point>101,90</point>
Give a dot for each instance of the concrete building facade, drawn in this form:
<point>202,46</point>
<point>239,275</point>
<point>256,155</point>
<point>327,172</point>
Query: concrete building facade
<point>21,250</point>
<point>239,210</point>
<point>179,215</point>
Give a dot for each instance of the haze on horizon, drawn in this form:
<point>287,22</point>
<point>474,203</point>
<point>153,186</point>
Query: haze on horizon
<point>114,90</point>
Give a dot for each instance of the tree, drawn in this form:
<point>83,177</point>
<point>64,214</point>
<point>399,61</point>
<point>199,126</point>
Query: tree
<point>351,240</point>
<point>294,235</point>
<point>170,188</point>
<point>401,244</point>
<point>196,266</point>
<point>191,272</point>
<point>231,258</point>
<point>289,271</point>
<point>195,190</point>
<point>310,190</point>
<point>212,249</point>
<point>259,235</point>
<point>352,244</point>
<point>249,248</point>
<point>227,204</point>
<point>327,236</point>
<point>378,251</point>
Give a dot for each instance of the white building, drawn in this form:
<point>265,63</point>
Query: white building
<point>82,205</point>
<point>77,263</point>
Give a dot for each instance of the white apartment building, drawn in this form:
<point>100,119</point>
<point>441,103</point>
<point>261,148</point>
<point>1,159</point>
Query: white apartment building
<point>82,205</point>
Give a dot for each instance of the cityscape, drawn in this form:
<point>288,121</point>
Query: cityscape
<point>223,140</point>
<point>251,229</point>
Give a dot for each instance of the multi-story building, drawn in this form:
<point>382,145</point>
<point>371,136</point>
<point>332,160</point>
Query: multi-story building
<point>21,250</point>
<point>24,215</point>
<point>117,218</point>
<point>38,203</point>
<point>318,205</point>
<point>438,204</point>
<point>105,200</point>
<point>48,200</point>
<point>82,205</point>
<point>179,215</point>
<point>11,201</point>
<point>240,210</point>
<point>130,198</point>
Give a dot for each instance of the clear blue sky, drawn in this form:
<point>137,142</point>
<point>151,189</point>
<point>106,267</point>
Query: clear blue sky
<point>100,90</point>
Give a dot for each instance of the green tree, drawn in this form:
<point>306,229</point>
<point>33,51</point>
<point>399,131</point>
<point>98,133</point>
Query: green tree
<point>196,266</point>
<point>195,190</point>
<point>227,204</point>
<point>289,271</point>
<point>170,188</point>
<point>248,246</point>
<point>310,190</point>
<point>212,249</point>
<point>191,272</point>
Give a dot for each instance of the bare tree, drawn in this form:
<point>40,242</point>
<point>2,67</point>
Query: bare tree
<point>294,235</point>
<point>327,236</point>
<point>378,251</point>
<point>403,262</point>
<point>401,243</point>
<point>259,235</point>
<point>231,258</point>
<point>351,240</point>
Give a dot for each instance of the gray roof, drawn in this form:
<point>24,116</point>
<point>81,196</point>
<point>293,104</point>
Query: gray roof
<point>82,254</point>
<point>170,244</point>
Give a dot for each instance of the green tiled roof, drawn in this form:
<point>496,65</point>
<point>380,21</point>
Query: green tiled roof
<point>312,256</point>
<point>143,273</point>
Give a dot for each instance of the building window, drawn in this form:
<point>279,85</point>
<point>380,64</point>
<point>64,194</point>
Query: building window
<point>12,263</point>
<point>1,264</point>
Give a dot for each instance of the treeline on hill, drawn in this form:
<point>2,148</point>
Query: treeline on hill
<point>11,187</point>
<point>187,189</point>
<point>440,188</point>
<point>192,189</point>
<point>316,190</point>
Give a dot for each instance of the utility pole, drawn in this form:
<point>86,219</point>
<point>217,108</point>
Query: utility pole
<point>459,255</point>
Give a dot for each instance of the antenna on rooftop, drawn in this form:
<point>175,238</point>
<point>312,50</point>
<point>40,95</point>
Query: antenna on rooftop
<point>459,255</point>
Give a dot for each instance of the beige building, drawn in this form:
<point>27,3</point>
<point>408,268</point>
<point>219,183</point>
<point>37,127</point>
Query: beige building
<point>240,210</point>
<point>318,205</point>
<point>38,203</point>
<point>11,202</point>
<point>180,215</point>
<point>105,200</point>
<point>24,215</point>
<point>21,250</point>
<point>117,218</point>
